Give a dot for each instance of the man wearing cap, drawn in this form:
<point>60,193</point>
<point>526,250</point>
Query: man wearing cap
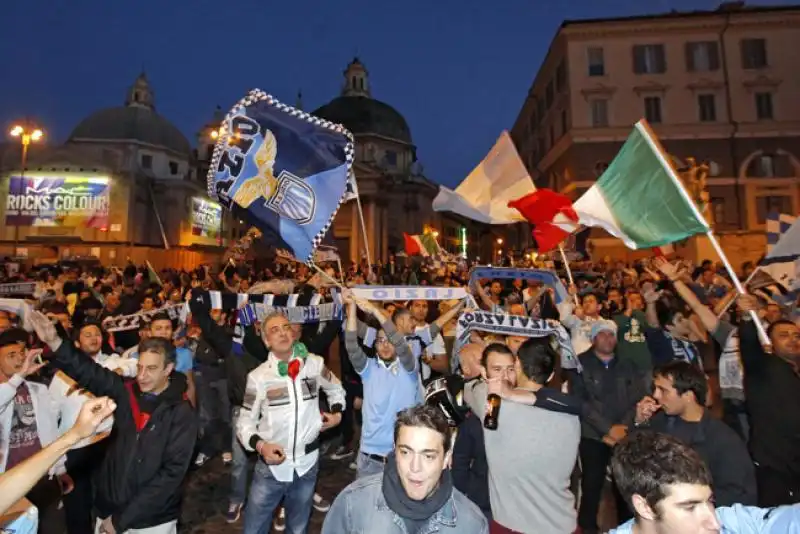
<point>609,388</point>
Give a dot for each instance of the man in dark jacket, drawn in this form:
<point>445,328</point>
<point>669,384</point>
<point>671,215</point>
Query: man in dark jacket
<point>609,387</point>
<point>772,382</point>
<point>139,482</point>
<point>677,408</point>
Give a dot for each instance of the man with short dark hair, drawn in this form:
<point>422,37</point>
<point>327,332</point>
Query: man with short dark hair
<point>677,408</point>
<point>772,382</point>
<point>138,485</point>
<point>529,469</point>
<point>666,484</point>
<point>415,492</point>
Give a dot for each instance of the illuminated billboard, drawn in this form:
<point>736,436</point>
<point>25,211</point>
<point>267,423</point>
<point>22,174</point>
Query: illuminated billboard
<point>206,218</point>
<point>57,201</point>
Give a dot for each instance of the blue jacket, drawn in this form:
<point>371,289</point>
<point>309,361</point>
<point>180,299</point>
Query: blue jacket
<point>362,509</point>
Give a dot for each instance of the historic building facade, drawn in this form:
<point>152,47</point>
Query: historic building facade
<point>158,207</point>
<point>396,196</point>
<point>718,86</point>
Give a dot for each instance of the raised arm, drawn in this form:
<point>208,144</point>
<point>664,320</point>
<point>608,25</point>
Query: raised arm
<point>90,375</point>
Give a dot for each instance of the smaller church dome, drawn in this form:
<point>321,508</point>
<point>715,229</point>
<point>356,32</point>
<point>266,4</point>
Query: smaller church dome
<point>137,120</point>
<point>359,112</point>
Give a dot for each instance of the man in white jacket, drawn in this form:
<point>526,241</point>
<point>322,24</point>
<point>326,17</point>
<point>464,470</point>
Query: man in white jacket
<point>86,454</point>
<point>29,422</point>
<point>280,420</point>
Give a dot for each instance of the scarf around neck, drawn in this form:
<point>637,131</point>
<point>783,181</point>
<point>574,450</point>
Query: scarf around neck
<point>406,507</point>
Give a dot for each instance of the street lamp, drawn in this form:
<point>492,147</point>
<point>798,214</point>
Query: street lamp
<point>499,240</point>
<point>26,137</point>
<point>435,234</point>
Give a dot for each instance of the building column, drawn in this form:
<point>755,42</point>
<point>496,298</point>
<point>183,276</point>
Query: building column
<point>370,220</point>
<point>384,234</point>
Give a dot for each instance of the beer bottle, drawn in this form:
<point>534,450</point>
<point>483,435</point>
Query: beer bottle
<point>492,412</point>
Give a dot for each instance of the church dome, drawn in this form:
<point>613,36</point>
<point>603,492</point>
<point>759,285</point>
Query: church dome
<point>137,120</point>
<point>362,114</point>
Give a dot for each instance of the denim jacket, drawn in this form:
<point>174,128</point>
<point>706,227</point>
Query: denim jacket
<point>361,509</point>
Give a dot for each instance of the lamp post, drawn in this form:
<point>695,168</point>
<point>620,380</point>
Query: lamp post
<point>26,136</point>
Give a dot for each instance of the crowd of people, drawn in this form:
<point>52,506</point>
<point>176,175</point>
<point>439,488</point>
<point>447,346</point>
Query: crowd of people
<point>640,389</point>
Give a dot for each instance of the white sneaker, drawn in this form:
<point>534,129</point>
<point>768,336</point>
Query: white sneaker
<point>320,504</point>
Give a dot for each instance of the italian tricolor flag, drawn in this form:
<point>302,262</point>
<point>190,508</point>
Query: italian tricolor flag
<point>421,245</point>
<point>639,199</point>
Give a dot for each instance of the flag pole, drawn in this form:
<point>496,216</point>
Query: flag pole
<point>363,225</point>
<point>658,150</point>
<point>747,281</point>
<point>569,271</point>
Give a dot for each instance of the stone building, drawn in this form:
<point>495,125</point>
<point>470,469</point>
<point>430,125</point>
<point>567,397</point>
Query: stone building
<point>718,86</point>
<point>158,207</point>
<point>396,196</point>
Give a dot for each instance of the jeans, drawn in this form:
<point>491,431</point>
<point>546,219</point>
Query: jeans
<point>266,493</point>
<point>238,467</point>
<point>366,466</point>
<point>214,410</point>
<point>595,456</point>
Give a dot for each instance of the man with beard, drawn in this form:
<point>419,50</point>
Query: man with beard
<point>138,485</point>
<point>415,492</point>
<point>772,382</point>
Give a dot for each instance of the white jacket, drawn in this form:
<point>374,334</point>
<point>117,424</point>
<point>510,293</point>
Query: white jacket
<point>287,413</point>
<point>45,408</point>
<point>71,397</point>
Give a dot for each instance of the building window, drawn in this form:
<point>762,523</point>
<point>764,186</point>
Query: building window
<point>652,109</point>
<point>649,59</point>
<point>702,56</point>
<point>764,106</point>
<point>552,137</point>
<point>754,53</point>
<point>549,94</point>
<point>561,76</point>
<point>599,113</point>
<point>173,167</point>
<point>564,125</point>
<point>764,166</point>
<point>540,109</point>
<point>707,108</point>
<point>147,161</point>
<point>597,66</point>
<point>390,158</point>
<point>718,209</point>
<point>772,204</point>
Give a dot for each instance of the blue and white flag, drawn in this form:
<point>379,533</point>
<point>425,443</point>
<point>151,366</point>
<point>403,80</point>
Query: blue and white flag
<point>783,249</point>
<point>283,170</point>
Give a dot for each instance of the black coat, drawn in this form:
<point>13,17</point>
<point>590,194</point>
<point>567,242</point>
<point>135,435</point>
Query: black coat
<point>139,480</point>
<point>470,470</point>
<point>724,452</point>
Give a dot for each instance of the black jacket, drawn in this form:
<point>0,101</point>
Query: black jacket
<point>470,470</point>
<point>139,480</point>
<point>724,452</point>
<point>609,394</point>
<point>772,391</point>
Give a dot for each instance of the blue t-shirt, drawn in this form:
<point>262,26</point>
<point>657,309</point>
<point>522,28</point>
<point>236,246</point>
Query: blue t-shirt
<point>183,359</point>
<point>387,390</point>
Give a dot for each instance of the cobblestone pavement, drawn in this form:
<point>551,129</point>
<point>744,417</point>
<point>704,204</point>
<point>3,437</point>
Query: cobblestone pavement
<point>206,497</point>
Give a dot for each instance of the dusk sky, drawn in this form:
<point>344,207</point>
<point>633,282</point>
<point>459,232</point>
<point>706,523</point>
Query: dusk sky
<point>458,70</point>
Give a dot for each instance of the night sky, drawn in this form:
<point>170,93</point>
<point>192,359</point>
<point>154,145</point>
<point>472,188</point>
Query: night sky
<point>458,70</point>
